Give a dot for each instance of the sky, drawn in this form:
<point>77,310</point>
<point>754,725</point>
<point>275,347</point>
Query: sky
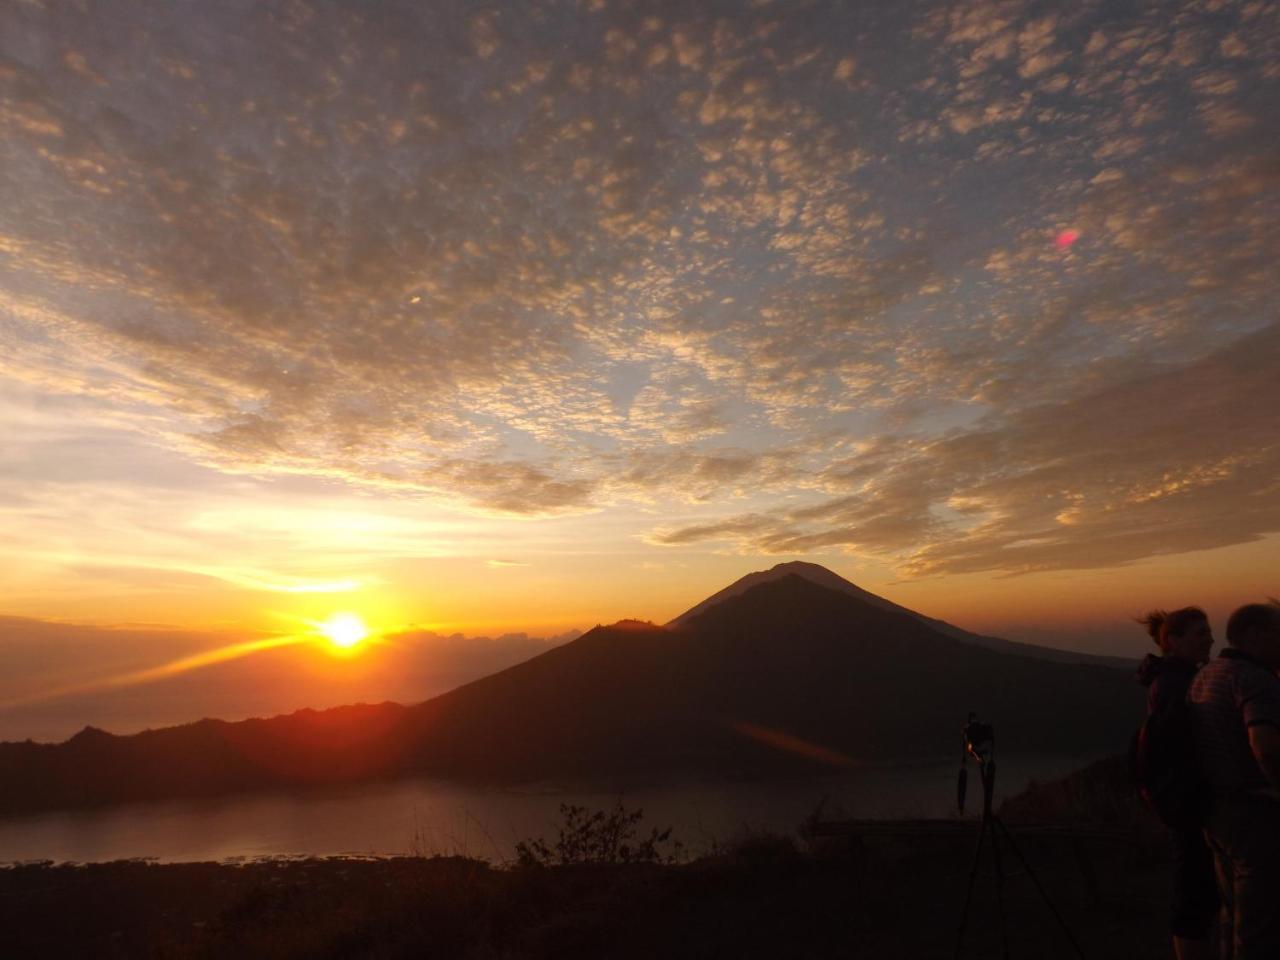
<point>494,322</point>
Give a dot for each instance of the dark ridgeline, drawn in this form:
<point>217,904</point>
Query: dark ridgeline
<point>788,677</point>
<point>820,575</point>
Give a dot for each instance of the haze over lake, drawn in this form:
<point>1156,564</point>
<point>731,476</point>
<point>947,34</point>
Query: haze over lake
<point>432,816</point>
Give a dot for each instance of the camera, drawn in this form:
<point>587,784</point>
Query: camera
<point>979,739</point>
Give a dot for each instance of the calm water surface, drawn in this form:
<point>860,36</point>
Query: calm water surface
<point>434,816</point>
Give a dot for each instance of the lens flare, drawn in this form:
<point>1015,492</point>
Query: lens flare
<point>1066,238</point>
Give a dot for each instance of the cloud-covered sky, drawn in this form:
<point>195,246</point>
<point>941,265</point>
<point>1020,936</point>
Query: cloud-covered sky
<point>295,291</point>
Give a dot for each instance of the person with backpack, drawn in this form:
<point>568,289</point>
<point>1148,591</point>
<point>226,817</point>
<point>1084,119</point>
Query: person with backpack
<point>1235,701</point>
<point>1167,772</point>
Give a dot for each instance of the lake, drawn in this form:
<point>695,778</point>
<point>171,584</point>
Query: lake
<point>439,817</point>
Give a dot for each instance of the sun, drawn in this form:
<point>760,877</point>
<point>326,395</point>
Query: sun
<point>344,630</point>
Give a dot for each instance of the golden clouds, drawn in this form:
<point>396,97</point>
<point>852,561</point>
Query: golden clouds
<point>547,260</point>
<point>1178,458</point>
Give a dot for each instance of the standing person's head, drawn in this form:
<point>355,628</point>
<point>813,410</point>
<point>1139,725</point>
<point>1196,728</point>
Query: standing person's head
<point>1255,630</point>
<point>1182,634</point>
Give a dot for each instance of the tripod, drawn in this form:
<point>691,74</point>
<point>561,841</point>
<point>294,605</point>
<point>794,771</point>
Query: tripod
<point>992,830</point>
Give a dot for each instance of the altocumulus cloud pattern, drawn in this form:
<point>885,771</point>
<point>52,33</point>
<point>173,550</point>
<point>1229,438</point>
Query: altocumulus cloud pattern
<point>968,286</point>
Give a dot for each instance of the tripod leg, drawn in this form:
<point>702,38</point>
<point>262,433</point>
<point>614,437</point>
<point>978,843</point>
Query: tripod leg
<point>1004,923</point>
<point>1036,880</point>
<point>968,893</point>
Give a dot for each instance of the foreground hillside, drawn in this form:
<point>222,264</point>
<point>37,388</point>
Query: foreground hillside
<point>787,678</point>
<point>882,890</point>
<point>888,897</point>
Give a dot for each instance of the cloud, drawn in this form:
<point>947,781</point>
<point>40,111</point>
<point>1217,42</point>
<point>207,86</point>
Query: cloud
<point>543,260</point>
<point>742,526</point>
<point>1175,458</point>
<point>510,487</point>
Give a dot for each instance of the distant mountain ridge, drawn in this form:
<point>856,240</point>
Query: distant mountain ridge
<point>821,575</point>
<point>787,677</point>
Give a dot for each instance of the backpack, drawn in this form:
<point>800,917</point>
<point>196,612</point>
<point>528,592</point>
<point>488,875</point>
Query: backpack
<point>1166,769</point>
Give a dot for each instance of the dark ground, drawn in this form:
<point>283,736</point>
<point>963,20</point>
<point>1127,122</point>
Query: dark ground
<point>765,897</point>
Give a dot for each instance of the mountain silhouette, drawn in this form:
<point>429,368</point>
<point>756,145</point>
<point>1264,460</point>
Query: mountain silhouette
<point>821,575</point>
<point>787,677</point>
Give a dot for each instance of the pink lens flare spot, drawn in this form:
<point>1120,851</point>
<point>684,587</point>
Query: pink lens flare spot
<point>1065,239</point>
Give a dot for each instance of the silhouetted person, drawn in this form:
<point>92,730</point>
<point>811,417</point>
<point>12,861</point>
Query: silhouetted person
<point>1235,700</point>
<point>1184,639</point>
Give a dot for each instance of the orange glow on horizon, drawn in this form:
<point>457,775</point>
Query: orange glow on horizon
<point>232,651</point>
